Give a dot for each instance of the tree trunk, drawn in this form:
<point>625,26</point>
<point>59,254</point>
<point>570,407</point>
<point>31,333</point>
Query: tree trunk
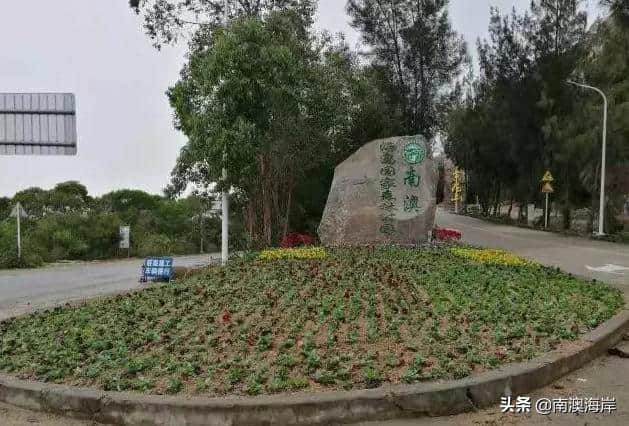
<point>267,203</point>
<point>288,206</point>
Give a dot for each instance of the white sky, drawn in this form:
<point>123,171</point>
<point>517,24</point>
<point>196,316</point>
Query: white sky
<point>97,50</point>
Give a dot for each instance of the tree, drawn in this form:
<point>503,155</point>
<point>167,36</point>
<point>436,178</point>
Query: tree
<point>619,10</point>
<point>34,200</point>
<point>558,39</point>
<point>520,117</point>
<point>604,66</point>
<point>69,196</point>
<point>261,102</point>
<point>495,138</point>
<point>165,21</point>
<point>5,207</point>
<point>421,56</point>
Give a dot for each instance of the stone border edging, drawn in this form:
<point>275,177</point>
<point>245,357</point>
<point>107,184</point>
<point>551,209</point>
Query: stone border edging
<point>387,402</point>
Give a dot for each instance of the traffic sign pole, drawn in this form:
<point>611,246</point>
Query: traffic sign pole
<point>546,211</point>
<point>547,189</point>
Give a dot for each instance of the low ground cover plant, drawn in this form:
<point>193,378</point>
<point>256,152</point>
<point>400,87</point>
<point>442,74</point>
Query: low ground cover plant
<point>356,318</point>
<point>294,253</point>
<point>490,256</point>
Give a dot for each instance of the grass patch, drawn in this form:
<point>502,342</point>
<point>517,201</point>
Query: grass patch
<point>355,319</point>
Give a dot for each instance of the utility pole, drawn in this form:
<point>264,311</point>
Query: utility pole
<point>601,214</point>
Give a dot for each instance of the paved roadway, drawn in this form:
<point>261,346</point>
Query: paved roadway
<point>25,290</point>
<point>578,256</point>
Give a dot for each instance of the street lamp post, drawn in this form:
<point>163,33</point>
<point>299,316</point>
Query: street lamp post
<point>225,203</point>
<point>225,222</point>
<point>601,214</point>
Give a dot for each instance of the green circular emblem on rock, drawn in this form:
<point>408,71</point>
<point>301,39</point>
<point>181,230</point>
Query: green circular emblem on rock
<point>414,153</point>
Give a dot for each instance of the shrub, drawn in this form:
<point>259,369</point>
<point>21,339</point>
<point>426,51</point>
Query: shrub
<point>8,249</point>
<point>155,245</point>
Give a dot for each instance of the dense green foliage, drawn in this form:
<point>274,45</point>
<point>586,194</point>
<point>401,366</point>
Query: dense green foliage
<point>166,20</point>
<point>65,223</point>
<point>279,108</point>
<point>280,105</point>
<point>355,319</point>
<point>520,116</point>
<point>414,46</point>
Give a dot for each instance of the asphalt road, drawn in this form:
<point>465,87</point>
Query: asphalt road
<point>579,256</point>
<point>22,291</point>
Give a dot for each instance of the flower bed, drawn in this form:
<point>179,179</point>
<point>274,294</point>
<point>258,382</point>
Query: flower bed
<point>446,234</point>
<point>491,256</point>
<point>349,318</point>
<point>294,253</point>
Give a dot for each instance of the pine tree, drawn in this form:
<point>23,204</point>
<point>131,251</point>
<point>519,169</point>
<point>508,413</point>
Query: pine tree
<point>414,44</point>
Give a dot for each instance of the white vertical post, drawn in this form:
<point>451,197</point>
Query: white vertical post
<point>19,237</point>
<point>225,222</point>
<point>225,203</point>
<point>201,228</point>
<point>601,214</point>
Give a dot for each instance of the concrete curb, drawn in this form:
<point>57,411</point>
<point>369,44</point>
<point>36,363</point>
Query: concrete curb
<point>388,402</point>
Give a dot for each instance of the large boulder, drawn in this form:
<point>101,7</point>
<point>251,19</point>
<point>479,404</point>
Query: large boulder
<point>385,193</point>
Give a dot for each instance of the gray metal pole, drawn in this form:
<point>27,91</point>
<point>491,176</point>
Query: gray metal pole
<point>546,212</point>
<point>601,213</point>
<point>19,237</point>
<point>601,220</point>
<point>225,223</point>
<point>225,203</point>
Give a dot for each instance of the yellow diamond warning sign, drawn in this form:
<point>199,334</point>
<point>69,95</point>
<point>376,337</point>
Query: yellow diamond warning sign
<point>548,188</point>
<point>548,177</point>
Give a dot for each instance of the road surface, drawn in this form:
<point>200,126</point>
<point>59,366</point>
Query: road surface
<point>579,256</point>
<point>25,290</point>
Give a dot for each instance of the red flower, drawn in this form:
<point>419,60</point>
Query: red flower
<point>446,234</point>
<point>295,239</point>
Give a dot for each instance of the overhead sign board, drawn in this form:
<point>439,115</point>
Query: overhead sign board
<point>37,124</point>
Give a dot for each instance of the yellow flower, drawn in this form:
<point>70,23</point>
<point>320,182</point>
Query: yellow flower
<point>491,256</point>
<point>294,253</point>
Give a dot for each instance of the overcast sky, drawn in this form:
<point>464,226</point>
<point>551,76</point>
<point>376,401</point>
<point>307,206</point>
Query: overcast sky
<point>97,50</point>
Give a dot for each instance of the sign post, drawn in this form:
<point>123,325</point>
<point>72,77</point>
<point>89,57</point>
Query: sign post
<point>18,212</point>
<point>547,189</point>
